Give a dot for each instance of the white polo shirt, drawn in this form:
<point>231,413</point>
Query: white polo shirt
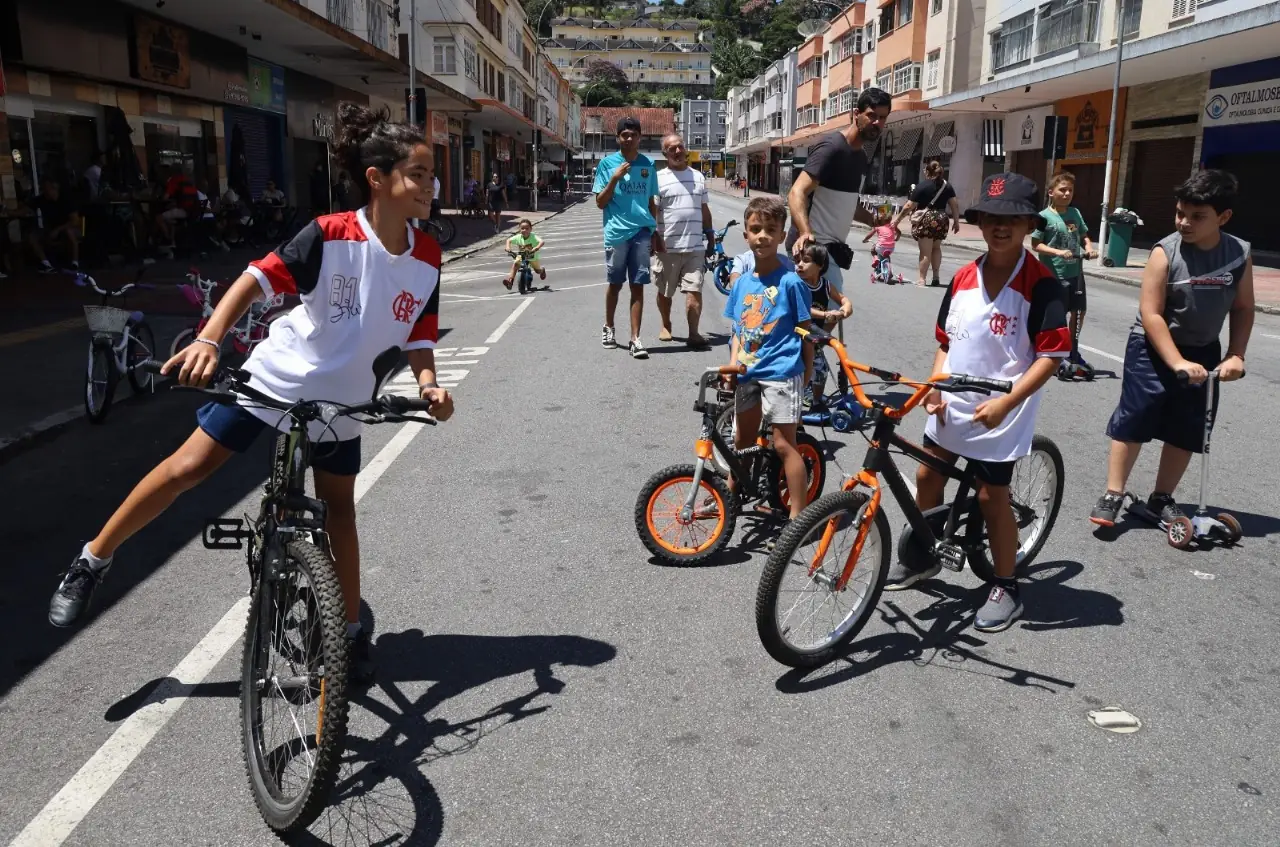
<point>681,196</point>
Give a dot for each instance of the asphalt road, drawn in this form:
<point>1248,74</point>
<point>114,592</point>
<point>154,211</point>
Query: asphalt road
<point>543,682</point>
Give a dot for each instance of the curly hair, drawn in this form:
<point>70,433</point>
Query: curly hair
<point>370,139</point>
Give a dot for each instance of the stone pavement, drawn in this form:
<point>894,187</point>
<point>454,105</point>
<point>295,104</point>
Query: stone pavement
<point>1266,277</point>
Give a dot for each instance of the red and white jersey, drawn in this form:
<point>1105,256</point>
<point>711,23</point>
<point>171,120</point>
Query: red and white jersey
<point>997,338</point>
<point>357,300</point>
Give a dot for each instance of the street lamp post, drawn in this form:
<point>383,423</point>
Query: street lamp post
<point>1111,135</point>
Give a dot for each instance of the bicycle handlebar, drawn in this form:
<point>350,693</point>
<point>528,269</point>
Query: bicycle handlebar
<point>85,281</point>
<point>980,384</point>
<point>1184,378</point>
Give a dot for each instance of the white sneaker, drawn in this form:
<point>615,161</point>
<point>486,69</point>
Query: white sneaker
<point>637,350</point>
<point>607,338</point>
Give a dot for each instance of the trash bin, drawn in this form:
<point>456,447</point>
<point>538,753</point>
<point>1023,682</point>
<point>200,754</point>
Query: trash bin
<point>1120,226</point>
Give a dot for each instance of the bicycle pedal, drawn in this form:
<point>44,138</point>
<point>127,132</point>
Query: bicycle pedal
<point>225,534</point>
<point>950,556</point>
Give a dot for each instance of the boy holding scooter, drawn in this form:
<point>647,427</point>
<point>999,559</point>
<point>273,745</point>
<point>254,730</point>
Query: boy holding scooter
<point>1194,279</point>
<point>1062,243</point>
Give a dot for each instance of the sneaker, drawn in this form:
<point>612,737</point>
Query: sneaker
<point>75,591</point>
<point>637,350</point>
<point>1002,608</point>
<point>1165,506</point>
<point>1107,508</point>
<point>607,338</point>
<point>542,274</point>
<point>46,268</point>
<point>360,670</point>
<point>901,576</point>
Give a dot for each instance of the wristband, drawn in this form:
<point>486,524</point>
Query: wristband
<point>1239,356</point>
<point>424,386</point>
<point>215,345</point>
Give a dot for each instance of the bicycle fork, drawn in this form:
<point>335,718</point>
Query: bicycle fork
<point>865,518</point>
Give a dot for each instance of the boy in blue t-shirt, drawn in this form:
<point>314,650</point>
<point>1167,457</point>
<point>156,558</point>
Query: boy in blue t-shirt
<point>625,187</point>
<point>766,306</point>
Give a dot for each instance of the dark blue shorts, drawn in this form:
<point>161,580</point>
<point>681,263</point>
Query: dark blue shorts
<point>999,474</point>
<point>236,428</point>
<point>1153,405</point>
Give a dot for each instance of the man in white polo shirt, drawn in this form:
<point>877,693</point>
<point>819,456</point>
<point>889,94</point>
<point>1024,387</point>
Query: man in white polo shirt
<point>684,225</point>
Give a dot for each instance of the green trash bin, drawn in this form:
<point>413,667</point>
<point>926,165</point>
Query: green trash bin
<point>1119,240</point>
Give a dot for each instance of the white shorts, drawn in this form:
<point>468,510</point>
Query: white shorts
<point>782,398</point>
<point>678,271</point>
<point>174,214</point>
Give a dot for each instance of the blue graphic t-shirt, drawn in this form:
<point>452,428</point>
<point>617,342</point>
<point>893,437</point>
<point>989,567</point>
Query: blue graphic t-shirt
<point>765,312</point>
<point>628,211</point>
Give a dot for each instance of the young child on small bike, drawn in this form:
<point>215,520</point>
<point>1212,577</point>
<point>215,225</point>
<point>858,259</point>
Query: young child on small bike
<point>1195,280</point>
<point>1002,317</point>
<point>812,268</point>
<point>886,236</point>
<point>385,292</point>
<point>521,241</point>
<point>766,305</point>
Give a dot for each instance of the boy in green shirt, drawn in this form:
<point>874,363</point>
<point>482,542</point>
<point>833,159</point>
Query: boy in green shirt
<point>520,242</point>
<point>1062,243</point>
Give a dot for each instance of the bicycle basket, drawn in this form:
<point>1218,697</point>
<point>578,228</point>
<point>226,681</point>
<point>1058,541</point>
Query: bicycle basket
<point>107,321</point>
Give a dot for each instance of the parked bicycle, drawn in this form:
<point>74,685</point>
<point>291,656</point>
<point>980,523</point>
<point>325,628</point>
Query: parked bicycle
<point>826,572</point>
<point>293,675</point>
<point>245,335</point>
<point>685,514</point>
<point>120,342</point>
<point>442,229</point>
<point>719,263</point>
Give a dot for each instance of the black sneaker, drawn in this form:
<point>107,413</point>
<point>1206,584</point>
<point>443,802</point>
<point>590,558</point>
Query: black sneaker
<point>75,591</point>
<point>360,670</point>
<point>1164,506</point>
<point>1107,509</point>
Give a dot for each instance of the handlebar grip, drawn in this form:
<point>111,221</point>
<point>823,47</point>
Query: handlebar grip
<point>1002,386</point>
<point>400,405</point>
<point>1184,378</point>
<point>732,370</point>
<point>817,336</point>
<point>150,366</point>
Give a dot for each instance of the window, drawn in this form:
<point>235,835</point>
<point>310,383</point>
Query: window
<point>699,141</point>
<point>806,116</point>
<point>513,37</point>
<point>827,107</point>
<point>842,101</point>
<point>444,57</point>
<point>1011,44</point>
<point>906,76</point>
<point>935,7</point>
<point>489,17</point>
<point>884,80</point>
<point>502,87</point>
<point>775,121</point>
<point>719,140</point>
<point>886,20</point>
<point>931,68</point>
<point>469,64</point>
<point>866,83</point>
<point>869,37</point>
<point>826,62</point>
<point>700,118</point>
<point>904,12</point>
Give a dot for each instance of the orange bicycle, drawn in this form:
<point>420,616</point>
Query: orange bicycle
<point>825,574</point>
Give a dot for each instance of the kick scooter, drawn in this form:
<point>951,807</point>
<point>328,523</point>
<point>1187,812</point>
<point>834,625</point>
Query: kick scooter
<point>1071,370</point>
<point>1183,531</point>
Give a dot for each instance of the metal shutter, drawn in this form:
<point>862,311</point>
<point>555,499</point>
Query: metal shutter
<point>256,132</point>
<point>1158,168</point>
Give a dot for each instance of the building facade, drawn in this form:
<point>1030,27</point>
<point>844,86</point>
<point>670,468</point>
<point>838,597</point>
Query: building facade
<point>761,114</point>
<point>704,126</point>
<point>653,53</point>
<point>600,134</point>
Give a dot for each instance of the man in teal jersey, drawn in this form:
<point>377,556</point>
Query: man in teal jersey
<point>625,188</point>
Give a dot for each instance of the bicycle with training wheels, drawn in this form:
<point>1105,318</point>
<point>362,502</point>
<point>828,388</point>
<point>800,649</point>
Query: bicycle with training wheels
<point>120,342</point>
<point>685,514</point>
<point>826,572</point>
<point>718,263</point>
<point>249,333</point>
<point>293,675</point>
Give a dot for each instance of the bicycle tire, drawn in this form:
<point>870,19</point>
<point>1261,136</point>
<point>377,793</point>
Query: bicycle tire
<point>769,596</point>
<point>330,728</point>
<point>721,278</point>
<point>142,346</point>
<point>445,231</point>
<point>100,355</point>
<point>181,341</point>
<point>654,539</point>
<point>979,556</point>
<point>815,462</point>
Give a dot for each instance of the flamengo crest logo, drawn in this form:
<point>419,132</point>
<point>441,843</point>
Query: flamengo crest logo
<point>405,307</point>
<point>1003,324</point>
<point>996,189</point>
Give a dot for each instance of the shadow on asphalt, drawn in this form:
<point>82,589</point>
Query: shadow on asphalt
<point>940,635</point>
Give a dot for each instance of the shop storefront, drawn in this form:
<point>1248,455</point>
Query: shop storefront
<point>311,107</point>
<point>438,135</point>
<point>1023,138</point>
<point>1088,125</point>
<point>1241,120</point>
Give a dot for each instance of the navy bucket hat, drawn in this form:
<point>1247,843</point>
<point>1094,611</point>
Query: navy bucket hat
<point>1007,195</point>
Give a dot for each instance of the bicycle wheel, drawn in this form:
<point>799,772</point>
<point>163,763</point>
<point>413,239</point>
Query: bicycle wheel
<point>445,230</point>
<point>816,472</point>
<point>293,689</point>
<point>685,542</point>
<point>1036,492</point>
<point>142,347</point>
<point>802,620</point>
<point>181,341</point>
<point>721,278</point>
<point>100,381</point>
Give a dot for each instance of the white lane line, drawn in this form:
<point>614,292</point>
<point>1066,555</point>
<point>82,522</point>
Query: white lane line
<point>506,325</point>
<point>1112,356</point>
<point>574,287</point>
<point>1265,335</point>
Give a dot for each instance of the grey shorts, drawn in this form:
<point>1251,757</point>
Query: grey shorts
<point>782,399</point>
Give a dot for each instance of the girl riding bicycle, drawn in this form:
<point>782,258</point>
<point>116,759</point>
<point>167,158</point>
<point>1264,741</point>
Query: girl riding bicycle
<point>367,280</point>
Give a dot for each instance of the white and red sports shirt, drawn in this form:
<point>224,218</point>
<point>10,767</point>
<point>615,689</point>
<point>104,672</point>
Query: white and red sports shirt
<point>997,338</point>
<point>357,300</point>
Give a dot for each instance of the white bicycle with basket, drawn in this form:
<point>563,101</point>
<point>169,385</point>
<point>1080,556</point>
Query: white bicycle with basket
<point>120,343</point>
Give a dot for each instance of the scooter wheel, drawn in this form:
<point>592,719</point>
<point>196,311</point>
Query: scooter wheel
<point>1181,533</point>
<point>1234,531</point>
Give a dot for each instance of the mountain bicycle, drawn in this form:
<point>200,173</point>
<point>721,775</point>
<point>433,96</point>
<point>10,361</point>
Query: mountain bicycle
<point>685,514</point>
<point>249,333</point>
<point>295,656</point>
<point>120,342</point>
<point>837,551</point>
<point>719,263</point>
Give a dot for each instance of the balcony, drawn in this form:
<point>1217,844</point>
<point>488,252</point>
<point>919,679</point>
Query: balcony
<point>1064,25</point>
<point>342,13</point>
<point>378,19</point>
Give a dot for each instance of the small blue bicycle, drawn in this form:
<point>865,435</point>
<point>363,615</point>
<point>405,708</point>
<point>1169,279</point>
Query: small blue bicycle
<point>719,263</point>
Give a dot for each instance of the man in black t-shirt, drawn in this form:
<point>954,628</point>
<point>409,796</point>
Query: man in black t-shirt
<point>57,221</point>
<point>825,195</point>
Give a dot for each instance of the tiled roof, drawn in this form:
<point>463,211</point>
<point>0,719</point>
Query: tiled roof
<point>652,121</point>
<point>595,45</point>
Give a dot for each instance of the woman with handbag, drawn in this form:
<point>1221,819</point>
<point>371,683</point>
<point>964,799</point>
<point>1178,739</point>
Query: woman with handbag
<point>932,202</point>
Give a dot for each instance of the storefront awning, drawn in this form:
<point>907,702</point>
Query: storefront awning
<point>993,138</point>
<point>905,145</point>
<point>940,132</point>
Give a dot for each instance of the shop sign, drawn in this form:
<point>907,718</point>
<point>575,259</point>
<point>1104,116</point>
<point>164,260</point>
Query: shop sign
<point>503,146</point>
<point>714,157</point>
<point>161,52</point>
<point>947,144</point>
<point>1251,103</point>
<point>266,86</point>
<point>455,126</point>
<point>439,128</point>
<point>1025,130</point>
<point>236,92</point>
<point>322,125</point>
<point>1088,123</point>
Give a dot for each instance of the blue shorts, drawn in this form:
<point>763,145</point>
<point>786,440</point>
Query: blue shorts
<point>1154,405</point>
<point>629,261</point>
<point>236,428</point>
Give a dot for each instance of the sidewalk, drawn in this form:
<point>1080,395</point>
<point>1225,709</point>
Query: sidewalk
<point>1266,278</point>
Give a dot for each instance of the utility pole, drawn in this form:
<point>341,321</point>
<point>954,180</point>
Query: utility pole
<point>413,62</point>
<point>1111,134</point>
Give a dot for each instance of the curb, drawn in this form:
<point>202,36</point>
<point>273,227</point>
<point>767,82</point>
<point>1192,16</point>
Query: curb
<point>481,246</point>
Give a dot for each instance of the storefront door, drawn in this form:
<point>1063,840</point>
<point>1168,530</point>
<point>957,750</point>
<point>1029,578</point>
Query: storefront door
<point>1159,168</point>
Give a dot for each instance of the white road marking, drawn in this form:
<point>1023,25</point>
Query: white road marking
<point>506,325</point>
<point>1265,335</point>
<point>1112,356</point>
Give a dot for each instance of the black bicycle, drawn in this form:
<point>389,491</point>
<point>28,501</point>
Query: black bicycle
<point>293,685</point>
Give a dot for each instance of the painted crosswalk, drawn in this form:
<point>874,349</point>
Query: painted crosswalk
<point>449,370</point>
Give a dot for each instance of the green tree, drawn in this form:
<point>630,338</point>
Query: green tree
<point>600,94</point>
<point>668,98</point>
<point>540,13</point>
<point>643,99</point>
<point>600,72</point>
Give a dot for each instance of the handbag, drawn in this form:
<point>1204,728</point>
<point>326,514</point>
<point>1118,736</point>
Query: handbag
<point>918,215</point>
<point>841,254</point>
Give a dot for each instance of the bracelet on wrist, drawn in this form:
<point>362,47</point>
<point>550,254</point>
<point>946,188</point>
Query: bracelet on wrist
<point>425,385</point>
<point>215,345</point>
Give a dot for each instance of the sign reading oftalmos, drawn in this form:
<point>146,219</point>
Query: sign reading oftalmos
<point>1253,102</point>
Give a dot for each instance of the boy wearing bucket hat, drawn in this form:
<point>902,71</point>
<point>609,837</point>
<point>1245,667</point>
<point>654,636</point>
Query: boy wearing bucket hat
<point>1003,317</point>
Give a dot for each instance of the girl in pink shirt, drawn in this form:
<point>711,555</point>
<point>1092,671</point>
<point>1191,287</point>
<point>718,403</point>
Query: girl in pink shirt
<point>886,239</point>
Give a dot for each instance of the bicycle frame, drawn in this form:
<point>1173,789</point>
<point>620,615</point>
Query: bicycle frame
<point>244,329</point>
<point>710,440</point>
